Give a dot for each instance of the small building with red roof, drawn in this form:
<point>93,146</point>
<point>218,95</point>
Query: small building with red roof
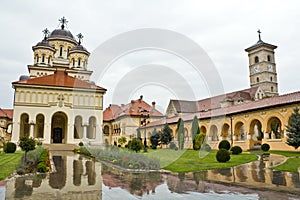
<point>125,119</point>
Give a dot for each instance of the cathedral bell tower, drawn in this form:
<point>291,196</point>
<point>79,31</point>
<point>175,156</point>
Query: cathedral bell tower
<point>262,67</point>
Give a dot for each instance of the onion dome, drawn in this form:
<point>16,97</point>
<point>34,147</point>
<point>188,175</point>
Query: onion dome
<point>44,43</point>
<point>79,47</point>
<point>62,32</point>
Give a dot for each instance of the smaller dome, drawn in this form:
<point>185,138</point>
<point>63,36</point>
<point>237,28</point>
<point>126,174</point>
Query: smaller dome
<point>24,77</point>
<point>79,47</point>
<point>44,43</point>
<point>62,33</point>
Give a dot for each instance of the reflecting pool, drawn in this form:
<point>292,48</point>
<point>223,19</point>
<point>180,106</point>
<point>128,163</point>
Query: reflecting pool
<point>77,177</point>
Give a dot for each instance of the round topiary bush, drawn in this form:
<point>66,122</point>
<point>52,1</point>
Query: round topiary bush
<point>223,155</point>
<point>265,147</point>
<point>224,144</point>
<point>10,147</point>
<point>80,144</point>
<point>236,150</point>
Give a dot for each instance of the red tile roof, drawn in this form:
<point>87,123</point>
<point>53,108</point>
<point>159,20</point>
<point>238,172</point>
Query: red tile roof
<point>6,113</point>
<point>59,79</point>
<point>239,108</point>
<point>115,111</point>
<point>183,106</point>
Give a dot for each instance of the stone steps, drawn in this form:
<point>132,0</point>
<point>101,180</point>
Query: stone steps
<point>60,147</point>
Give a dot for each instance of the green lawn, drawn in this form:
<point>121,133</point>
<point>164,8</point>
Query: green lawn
<point>190,160</point>
<point>8,163</point>
<point>291,165</point>
<point>286,153</point>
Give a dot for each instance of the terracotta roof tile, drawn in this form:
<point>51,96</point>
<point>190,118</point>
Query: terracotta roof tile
<point>6,113</point>
<point>183,106</point>
<point>59,79</point>
<point>243,107</point>
<point>115,111</point>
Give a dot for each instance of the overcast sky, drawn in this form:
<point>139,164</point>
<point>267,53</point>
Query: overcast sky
<point>223,29</point>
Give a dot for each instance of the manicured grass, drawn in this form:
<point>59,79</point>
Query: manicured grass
<point>286,153</point>
<point>190,160</point>
<point>291,165</point>
<point>8,163</point>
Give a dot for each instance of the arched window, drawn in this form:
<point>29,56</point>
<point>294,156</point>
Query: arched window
<point>24,125</point>
<point>272,89</point>
<point>43,58</point>
<point>257,80</point>
<point>68,50</point>
<point>38,73</point>
<point>39,126</point>
<point>256,59</point>
<point>37,59</point>
<point>73,61</point>
<point>269,58</point>
<point>60,50</point>
<point>49,58</point>
<point>271,78</point>
<point>91,134</point>
<point>78,128</point>
<point>79,60</point>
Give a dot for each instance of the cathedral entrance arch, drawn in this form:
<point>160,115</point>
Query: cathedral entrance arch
<point>59,127</point>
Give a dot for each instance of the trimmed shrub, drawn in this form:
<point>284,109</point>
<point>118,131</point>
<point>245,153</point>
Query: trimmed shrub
<point>172,145</point>
<point>265,147</point>
<point>224,144</point>
<point>223,155</point>
<point>10,147</point>
<point>42,167</point>
<point>119,145</point>
<point>236,150</point>
<point>81,144</point>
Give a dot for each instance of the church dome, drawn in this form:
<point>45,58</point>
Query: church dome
<point>44,43</point>
<point>62,33</point>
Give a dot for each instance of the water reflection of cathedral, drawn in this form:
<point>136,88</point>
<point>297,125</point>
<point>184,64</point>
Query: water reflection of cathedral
<point>74,178</point>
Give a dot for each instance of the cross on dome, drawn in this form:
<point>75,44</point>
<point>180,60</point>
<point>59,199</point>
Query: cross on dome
<point>63,22</point>
<point>80,36</point>
<point>46,33</point>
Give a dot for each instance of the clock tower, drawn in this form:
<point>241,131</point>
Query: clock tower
<point>262,67</point>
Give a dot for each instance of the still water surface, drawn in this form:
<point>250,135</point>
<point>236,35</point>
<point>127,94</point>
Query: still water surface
<point>77,177</point>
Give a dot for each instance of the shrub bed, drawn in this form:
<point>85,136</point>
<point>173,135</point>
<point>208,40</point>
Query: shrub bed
<point>37,160</point>
<point>122,158</point>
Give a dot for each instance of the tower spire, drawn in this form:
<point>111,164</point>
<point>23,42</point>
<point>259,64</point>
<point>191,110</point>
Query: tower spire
<point>63,22</point>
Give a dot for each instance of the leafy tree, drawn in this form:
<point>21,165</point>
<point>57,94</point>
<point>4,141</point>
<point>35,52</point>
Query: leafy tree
<point>293,129</point>
<point>195,127</point>
<point>154,139</point>
<point>166,136</point>
<point>180,133</point>
<point>135,145</point>
<point>122,140</point>
<point>138,133</point>
<point>26,144</point>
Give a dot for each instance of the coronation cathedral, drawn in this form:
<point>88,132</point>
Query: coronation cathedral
<point>57,102</point>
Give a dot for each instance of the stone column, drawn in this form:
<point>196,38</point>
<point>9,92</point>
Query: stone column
<point>266,136</point>
<point>84,134</point>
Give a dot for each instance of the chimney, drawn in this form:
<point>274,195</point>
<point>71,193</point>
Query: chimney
<point>132,105</point>
<point>153,105</point>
